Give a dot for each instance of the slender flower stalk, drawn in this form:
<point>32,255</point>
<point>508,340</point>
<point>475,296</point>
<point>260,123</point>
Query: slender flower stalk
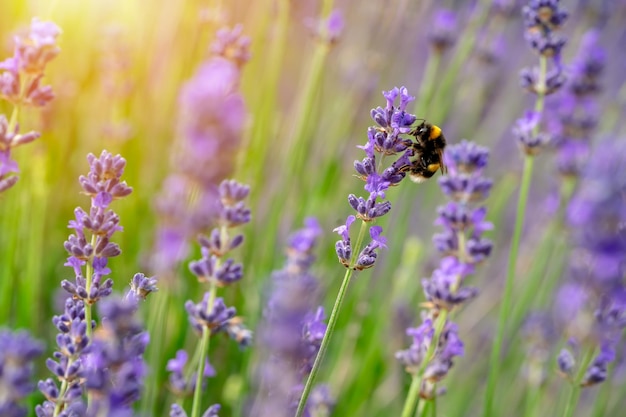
<point>211,315</point>
<point>436,341</point>
<point>291,333</point>
<point>542,19</point>
<point>211,122</point>
<point>387,139</point>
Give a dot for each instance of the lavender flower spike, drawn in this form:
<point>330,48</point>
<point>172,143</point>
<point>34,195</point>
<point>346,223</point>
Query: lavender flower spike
<point>18,350</point>
<point>436,341</point>
<point>291,331</point>
<point>591,306</point>
<point>114,367</point>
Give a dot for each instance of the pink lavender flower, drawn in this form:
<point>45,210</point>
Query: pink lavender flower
<point>232,45</point>
<point>20,83</point>
<point>18,350</point>
<point>291,331</point>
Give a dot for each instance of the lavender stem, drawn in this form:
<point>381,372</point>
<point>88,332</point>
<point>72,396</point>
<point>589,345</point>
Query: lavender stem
<point>332,321</point>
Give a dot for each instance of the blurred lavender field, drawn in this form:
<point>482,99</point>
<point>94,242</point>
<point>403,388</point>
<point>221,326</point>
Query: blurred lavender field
<point>195,178</point>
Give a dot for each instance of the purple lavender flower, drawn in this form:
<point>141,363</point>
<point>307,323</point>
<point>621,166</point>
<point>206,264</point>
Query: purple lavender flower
<point>212,411</point>
<point>448,346</point>
<point>211,315</point>
<point>67,365</point>
<point>292,330</point>
<point>542,18</point>
<point>463,245</point>
<point>443,30</point>
<point>90,245</point>
<point>328,30</point>
<point>18,350</point>
<point>211,123</point>
<point>524,130</point>
<point>140,287</point>
<point>386,139</point>
<point>114,367</point>
<point>81,360</point>
<point>591,305</point>
<point>576,110</point>
<point>181,383</point>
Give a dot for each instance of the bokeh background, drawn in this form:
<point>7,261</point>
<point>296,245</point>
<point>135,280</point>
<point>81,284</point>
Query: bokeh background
<point>117,83</point>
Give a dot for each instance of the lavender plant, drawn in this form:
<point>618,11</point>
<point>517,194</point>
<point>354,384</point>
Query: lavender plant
<point>114,367</point>
<point>591,304</point>
<point>542,19</point>
<point>436,341</point>
<point>386,139</point>
<point>211,316</point>
<point>18,350</point>
<point>577,110</point>
<point>21,85</point>
<point>291,333</point>
<point>90,246</point>
<point>212,118</point>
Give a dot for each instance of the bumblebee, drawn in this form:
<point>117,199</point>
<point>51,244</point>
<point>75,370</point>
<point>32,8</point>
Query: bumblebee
<point>428,150</point>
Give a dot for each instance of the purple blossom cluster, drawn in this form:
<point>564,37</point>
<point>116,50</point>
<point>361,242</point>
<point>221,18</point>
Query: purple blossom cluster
<point>18,350</point>
<point>21,85</point>
<point>114,366</point>
<point>591,305</point>
<point>328,30</point>
<point>577,110</point>
<point>80,357</point>
<point>211,122</point>
<point>542,19</point>
<point>444,30</point>
<point>291,333</point>
<point>384,140</point>
<point>463,246</point>
<point>90,245</point>
<point>211,315</point>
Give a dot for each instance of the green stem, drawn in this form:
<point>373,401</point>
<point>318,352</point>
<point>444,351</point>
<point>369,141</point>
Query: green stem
<point>204,349</point>
<point>428,84</point>
<point>423,408</point>
<point>412,398</point>
<point>88,279</point>
<point>332,321</point>
<point>505,306</point>
<point>574,394</point>
<point>61,397</point>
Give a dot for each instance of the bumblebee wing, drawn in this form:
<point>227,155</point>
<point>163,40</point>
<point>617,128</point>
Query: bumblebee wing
<point>443,167</point>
